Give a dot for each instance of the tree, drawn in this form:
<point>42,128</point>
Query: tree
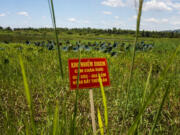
<point>1,28</point>
<point>8,29</point>
<point>143,33</point>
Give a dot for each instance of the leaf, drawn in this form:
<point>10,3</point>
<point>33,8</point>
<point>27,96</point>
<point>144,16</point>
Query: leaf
<point>104,102</point>
<point>28,95</point>
<point>56,119</point>
<point>100,123</point>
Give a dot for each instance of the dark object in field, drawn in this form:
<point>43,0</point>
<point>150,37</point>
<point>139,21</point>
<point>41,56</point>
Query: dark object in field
<point>37,43</point>
<point>67,42</point>
<point>86,48</point>
<point>105,51</point>
<point>127,47</point>
<point>60,44</point>
<point>75,49</point>
<point>122,44</point>
<point>144,47</point>
<point>89,43</point>
<point>6,42</point>
<point>114,45</point>
<point>78,44</point>
<point>6,61</point>
<point>65,48</point>
<point>156,69</point>
<point>109,49</point>
<point>113,54</point>
<point>70,47</point>
<point>42,43</point>
<point>27,42</point>
<point>50,45</point>
<point>105,47</point>
<point>103,44</point>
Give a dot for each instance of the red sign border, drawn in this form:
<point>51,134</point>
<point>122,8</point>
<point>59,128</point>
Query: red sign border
<point>108,77</point>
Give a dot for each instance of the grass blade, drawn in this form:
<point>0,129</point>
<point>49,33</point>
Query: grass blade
<point>144,95</point>
<point>160,108</point>
<point>133,57</point>
<point>56,119</point>
<point>42,131</point>
<point>27,129</point>
<point>51,5</point>
<point>73,122</point>
<point>79,62</point>
<point>135,42</point>
<point>104,102</point>
<point>153,90</point>
<point>147,85</point>
<point>28,95</point>
<point>100,123</point>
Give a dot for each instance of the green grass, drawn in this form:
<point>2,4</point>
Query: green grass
<point>51,6</point>
<point>42,73</point>
<point>28,96</point>
<point>36,100</point>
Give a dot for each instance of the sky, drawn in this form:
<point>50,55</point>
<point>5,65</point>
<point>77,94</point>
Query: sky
<point>157,14</point>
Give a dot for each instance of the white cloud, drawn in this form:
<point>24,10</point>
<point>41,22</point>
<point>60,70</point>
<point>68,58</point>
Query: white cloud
<point>156,21</point>
<point>134,17</point>
<point>113,3</point>
<point>107,12</point>
<point>23,13</point>
<point>175,21</point>
<point>3,14</point>
<point>72,19</point>
<point>111,24</point>
<point>175,5</point>
<point>151,20</point>
<point>86,22</point>
<point>156,5</point>
<point>116,17</point>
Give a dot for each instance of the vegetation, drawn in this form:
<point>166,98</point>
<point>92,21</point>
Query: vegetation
<point>46,87</point>
<point>143,97</point>
<point>34,34</point>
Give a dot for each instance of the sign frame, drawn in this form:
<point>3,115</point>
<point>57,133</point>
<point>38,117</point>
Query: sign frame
<point>89,68</point>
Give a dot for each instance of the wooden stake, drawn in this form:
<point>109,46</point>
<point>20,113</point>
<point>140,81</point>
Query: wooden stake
<point>92,111</point>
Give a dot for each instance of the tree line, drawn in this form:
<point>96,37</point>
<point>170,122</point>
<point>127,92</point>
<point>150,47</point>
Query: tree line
<point>95,31</point>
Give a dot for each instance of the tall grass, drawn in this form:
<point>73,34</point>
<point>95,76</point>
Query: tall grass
<point>100,123</point>
<point>153,90</point>
<point>160,107</point>
<point>28,97</point>
<point>73,122</point>
<point>104,102</point>
<point>56,119</point>
<point>133,58</point>
<point>57,126</point>
<point>105,109</point>
<point>51,6</point>
<point>147,85</point>
<point>146,88</point>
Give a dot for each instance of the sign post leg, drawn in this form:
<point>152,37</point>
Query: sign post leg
<point>92,111</point>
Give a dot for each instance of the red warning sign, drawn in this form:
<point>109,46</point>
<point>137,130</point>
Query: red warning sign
<point>89,70</point>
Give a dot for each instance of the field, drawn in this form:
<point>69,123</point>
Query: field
<point>46,87</point>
